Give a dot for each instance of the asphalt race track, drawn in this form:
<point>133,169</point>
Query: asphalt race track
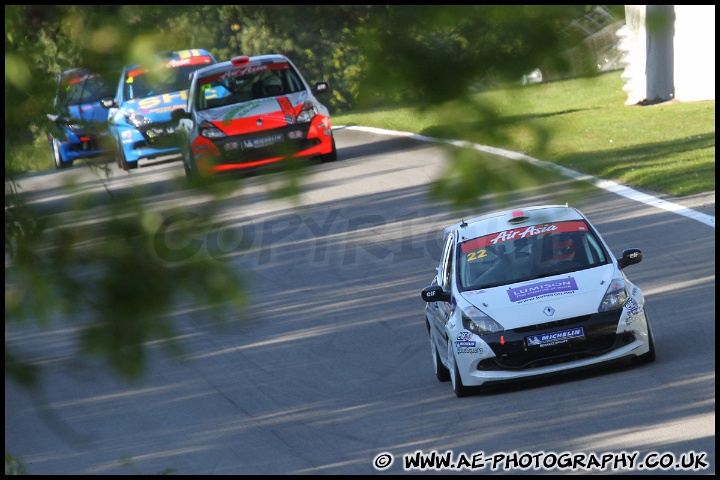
<point>329,372</point>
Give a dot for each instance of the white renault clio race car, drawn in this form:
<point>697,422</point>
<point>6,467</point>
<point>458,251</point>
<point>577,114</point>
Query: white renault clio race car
<point>531,292</point>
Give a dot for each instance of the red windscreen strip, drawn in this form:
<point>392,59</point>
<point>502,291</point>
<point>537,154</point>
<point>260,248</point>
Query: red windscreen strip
<point>523,232</point>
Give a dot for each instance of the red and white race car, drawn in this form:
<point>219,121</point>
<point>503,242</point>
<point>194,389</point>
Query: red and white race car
<point>249,112</point>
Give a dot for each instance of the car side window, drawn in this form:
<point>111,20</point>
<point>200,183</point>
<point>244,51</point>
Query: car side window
<point>446,265</point>
<point>293,82</point>
<point>595,251</point>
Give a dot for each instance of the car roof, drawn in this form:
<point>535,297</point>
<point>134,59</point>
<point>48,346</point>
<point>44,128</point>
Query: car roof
<point>75,72</point>
<point>75,75</point>
<point>256,60</point>
<point>169,55</point>
<point>178,54</point>
<point>512,218</point>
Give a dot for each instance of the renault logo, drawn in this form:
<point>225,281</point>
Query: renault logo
<point>549,311</point>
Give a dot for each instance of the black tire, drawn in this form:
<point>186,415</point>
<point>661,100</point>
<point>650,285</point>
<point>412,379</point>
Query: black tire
<point>648,357</point>
<point>441,372</point>
<point>57,155</point>
<point>190,167</point>
<point>458,387</point>
<point>121,162</point>
<point>118,160</point>
<point>332,156</point>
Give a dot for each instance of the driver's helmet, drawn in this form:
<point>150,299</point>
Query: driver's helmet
<point>272,85</point>
<point>562,248</point>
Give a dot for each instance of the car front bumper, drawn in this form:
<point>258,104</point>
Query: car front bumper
<point>510,356</point>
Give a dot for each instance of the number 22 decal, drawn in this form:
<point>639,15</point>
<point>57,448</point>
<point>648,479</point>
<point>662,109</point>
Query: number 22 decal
<point>476,254</point>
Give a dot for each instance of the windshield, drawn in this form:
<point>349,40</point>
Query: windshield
<point>84,89</point>
<point>173,76</point>
<point>143,83</point>
<point>242,84</point>
<point>528,253</point>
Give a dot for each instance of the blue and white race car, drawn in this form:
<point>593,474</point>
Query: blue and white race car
<point>531,292</point>
<point>78,128</point>
<point>140,118</point>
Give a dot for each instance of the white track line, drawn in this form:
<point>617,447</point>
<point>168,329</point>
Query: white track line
<point>608,185</point>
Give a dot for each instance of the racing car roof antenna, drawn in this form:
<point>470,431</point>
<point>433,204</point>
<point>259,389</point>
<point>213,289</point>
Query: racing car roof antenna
<point>463,224</point>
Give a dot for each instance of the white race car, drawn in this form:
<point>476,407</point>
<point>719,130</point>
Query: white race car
<point>530,292</point>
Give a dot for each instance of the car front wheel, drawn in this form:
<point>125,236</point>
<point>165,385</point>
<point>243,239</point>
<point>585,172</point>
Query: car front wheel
<point>332,156</point>
<point>121,162</point>
<point>190,166</point>
<point>650,355</point>
<point>458,387</point>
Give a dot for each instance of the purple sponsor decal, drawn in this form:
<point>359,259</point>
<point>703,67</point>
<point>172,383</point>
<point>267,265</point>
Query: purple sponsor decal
<point>542,288</point>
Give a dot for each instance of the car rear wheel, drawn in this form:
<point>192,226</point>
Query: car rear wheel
<point>441,372</point>
<point>458,387</point>
<point>648,357</point>
<point>57,155</point>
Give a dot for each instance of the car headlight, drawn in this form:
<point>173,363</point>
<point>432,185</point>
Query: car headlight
<point>615,297</point>
<point>137,120</point>
<point>307,113</point>
<point>477,322</point>
<point>208,130</point>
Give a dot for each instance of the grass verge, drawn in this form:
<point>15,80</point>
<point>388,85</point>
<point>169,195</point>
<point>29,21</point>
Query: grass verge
<point>582,124</point>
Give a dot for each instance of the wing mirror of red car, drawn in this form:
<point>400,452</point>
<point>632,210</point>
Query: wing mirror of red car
<point>321,87</point>
<point>179,114</point>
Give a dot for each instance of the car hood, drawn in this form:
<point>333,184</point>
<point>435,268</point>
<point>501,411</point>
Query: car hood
<point>88,112</point>
<point>256,115</point>
<point>557,297</point>
<point>159,107</point>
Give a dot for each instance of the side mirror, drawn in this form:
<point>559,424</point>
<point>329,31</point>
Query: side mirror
<point>179,114</point>
<point>434,293</point>
<point>107,102</point>
<point>321,87</point>
<point>630,256</point>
